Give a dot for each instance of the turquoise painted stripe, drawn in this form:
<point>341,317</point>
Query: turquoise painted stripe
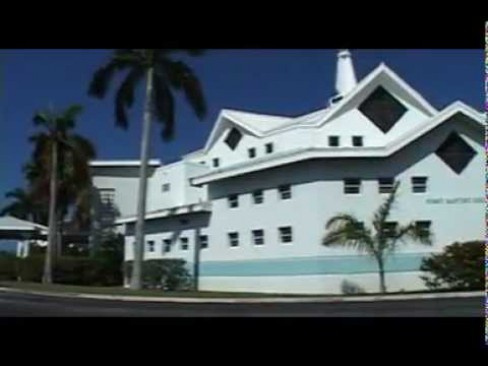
<point>309,266</point>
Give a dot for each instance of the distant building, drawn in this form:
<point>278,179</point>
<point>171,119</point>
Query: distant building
<point>258,194</point>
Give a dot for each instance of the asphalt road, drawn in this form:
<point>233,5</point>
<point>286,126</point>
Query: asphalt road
<point>26,305</point>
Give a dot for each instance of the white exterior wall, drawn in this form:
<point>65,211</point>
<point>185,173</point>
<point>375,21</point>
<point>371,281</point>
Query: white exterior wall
<point>317,190</point>
<point>125,191</point>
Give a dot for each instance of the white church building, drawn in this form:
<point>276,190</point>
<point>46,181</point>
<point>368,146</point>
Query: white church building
<point>257,196</point>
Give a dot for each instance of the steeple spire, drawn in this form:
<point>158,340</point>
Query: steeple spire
<point>345,75</point>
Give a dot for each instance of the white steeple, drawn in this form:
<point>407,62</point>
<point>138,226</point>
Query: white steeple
<point>345,76</point>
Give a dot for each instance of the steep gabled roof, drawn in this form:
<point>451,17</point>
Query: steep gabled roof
<point>393,146</point>
<point>263,125</point>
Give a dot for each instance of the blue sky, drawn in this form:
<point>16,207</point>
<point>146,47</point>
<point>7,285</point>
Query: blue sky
<point>288,82</point>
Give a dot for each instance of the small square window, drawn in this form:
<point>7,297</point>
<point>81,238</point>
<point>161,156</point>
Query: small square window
<point>233,239</point>
<point>423,227</point>
<point>269,148</point>
<point>285,191</point>
<point>419,184</point>
<point>203,241</point>
<point>216,162</point>
<point>166,245</point>
<point>150,246</point>
<point>385,185</point>
<point>390,229</point>
<point>352,186</point>
<point>286,234</point>
<point>233,201</point>
<point>257,197</point>
<point>184,243</point>
<point>357,141</point>
<point>252,153</point>
<point>258,237</point>
<point>333,141</point>
<point>166,187</point>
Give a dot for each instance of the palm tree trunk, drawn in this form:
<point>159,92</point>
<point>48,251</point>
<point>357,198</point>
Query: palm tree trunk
<point>51,240</point>
<point>141,199</point>
<point>382,275</point>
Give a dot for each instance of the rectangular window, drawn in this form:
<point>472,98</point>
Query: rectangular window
<point>257,197</point>
<point>352,186</point>
<point>357,141</point>
<point>385,185</point>
<point>252,153</point>
<point>203,241</point>
<point>166,245</point>
<point>269,148</point>
<point>233,201</point>
<point>390,229</point>
<point>233,239</point>
<point>107,196</point>
<point>286,234</point>
<point>285,191</point>
<point>216,162</point>
<point>419,184</point>
<point>184,243</point>
<point>150,246</point>
<point>423,227</point>
<point>333,141</point>
<point>258,237</point>
<point>166,187</point>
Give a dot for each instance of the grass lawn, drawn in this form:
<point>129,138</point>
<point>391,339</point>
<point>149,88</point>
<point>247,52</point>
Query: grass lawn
<point>127,292</point>
<point>158,293</point>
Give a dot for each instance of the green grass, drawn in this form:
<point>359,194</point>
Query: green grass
<point>68,289</point>
<point>127,292</point>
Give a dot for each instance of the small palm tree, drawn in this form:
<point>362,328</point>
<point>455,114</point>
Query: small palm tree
<point>59,168</point>
<point>162,76</point>
<point>379,242</point>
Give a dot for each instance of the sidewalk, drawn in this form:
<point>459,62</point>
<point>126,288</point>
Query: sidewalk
<point>264,299</point>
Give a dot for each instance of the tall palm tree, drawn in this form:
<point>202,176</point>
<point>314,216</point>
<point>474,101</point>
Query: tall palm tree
<point>59,168</point>
<point>162,76</point>
<point>380,241</point>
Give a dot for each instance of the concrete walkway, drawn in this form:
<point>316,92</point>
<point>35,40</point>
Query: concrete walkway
<point>264,299</point>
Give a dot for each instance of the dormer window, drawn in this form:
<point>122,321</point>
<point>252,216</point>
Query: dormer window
<point>357,141</point>
<point>233,138</point>
<point>269,148</point>
<point>383,109</point>
<point>333,141</point>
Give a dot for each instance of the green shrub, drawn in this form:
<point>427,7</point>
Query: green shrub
<point>31,268</point>
<point>8,267</point>
<point>460,267</point>
<point>166,274</point>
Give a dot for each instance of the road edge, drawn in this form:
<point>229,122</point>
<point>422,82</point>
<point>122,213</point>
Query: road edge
<point>318,299</point>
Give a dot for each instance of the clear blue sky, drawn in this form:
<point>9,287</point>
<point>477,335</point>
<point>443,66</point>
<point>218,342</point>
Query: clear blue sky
<point>288,82</point>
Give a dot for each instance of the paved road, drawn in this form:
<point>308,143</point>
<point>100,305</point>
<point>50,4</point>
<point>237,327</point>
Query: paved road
<point>26,305</point>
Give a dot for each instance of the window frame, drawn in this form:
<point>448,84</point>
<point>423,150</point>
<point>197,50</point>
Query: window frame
<point>335,138</point>
<point>285,190</point>
<point>347,184</point>
<point>233,236</point>
<point>423,186</point>
<point>233,201</point>
<point>257,240</point>
<point>283,235</point>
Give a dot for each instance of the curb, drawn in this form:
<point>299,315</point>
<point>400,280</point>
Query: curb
<point>252,300</point>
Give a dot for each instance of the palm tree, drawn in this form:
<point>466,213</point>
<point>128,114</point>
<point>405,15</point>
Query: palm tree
<point>162,76</point>
<point>380,241</point>
<point>22,207</point>
<point>59,168</point>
